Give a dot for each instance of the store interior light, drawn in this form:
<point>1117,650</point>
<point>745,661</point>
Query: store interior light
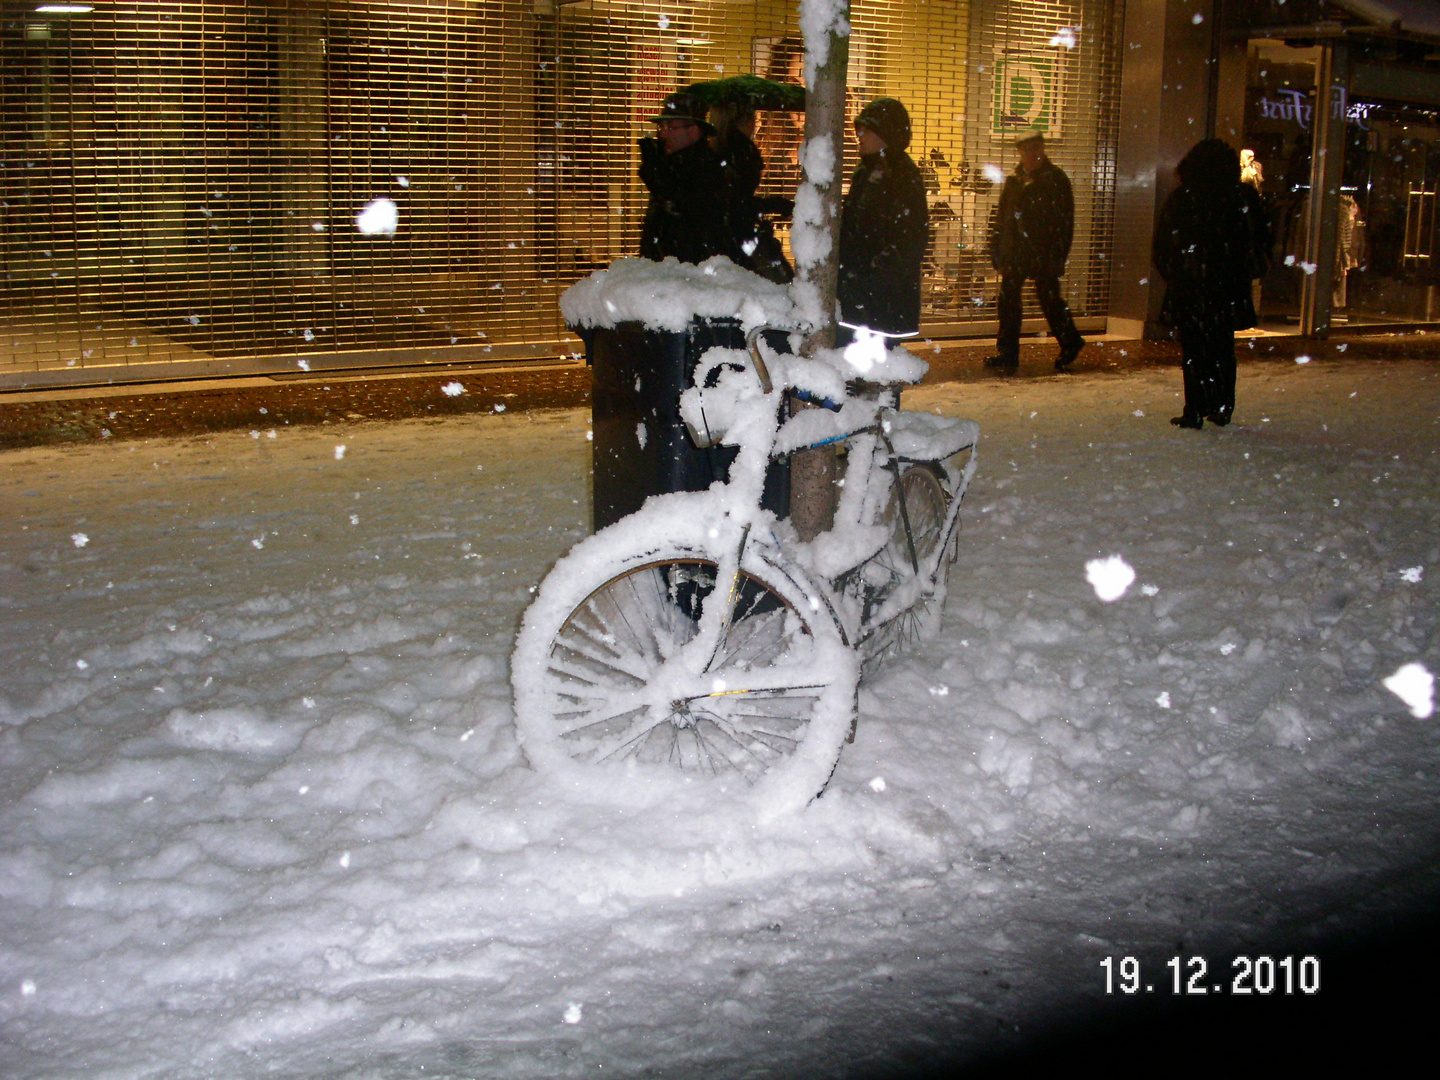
<point>692,41</point>
<point>64,9</point>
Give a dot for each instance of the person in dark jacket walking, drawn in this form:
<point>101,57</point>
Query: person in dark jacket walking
<point>1205,248</point>
<point>1030,238</point>
<point>688,212</point>
<point>883,227</point>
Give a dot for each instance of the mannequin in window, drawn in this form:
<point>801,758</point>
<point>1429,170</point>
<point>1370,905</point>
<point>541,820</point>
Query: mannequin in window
<point>1253,174</point>
<point>1349,235</point>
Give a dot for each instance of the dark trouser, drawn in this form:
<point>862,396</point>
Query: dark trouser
<point>1208,355</point>
<point>1057,314</point>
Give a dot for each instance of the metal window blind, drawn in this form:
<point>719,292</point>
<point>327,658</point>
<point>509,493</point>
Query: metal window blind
<point>1052,66</point>
<point>180,180</point>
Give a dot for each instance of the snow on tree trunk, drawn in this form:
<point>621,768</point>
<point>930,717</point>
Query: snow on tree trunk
<point>815,234</point>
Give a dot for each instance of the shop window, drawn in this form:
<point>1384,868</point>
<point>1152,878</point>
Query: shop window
<point>181,181</point>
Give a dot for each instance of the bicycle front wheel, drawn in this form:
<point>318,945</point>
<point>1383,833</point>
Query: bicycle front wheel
<point>609,670</point>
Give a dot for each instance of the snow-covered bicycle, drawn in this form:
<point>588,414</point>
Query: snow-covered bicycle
<point>699,636</point>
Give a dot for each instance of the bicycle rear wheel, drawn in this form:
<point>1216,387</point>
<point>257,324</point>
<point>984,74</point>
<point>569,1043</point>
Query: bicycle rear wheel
<point>608,669</point>
<point>926,506</point>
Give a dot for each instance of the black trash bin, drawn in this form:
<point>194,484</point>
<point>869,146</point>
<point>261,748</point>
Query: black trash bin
<point>641,447</point>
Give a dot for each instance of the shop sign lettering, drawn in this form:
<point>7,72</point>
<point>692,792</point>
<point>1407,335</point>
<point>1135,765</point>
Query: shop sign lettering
<point>1295,107</point>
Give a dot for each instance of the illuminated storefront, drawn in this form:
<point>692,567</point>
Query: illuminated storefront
<point>1339,103</point>
<point>1385,224</point>
<point>181,180</point>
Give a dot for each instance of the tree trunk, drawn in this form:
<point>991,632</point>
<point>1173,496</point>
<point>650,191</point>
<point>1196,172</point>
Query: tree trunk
<point>813,473</point>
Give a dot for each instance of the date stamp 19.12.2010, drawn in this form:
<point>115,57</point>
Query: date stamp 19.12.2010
<point>1192,976</point>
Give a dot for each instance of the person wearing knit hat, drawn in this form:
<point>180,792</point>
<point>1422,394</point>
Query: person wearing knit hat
<point>1030,238</point>
<point>688,213</point>
<point>884,228</point>
<point>889,119</point>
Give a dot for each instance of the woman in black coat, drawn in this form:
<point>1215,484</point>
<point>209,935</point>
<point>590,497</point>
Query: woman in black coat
<point>1205,248</point>
<point>734,142</point>
<point>883,227</point>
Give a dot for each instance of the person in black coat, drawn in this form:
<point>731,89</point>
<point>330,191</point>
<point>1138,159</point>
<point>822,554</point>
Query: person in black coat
<point>1030,238</point>
<point>1205,247</point>
<point>884,227</point>
<point>743,166</point>
<point>688,215</point>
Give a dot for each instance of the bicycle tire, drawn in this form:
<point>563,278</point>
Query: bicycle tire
<point>600,679</point>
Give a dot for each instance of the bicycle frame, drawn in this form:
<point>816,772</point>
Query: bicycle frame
<point>744,405</point>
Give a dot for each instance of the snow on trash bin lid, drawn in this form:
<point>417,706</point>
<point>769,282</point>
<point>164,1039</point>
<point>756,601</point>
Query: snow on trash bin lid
<point>926,437</point>
<point>668,295</point>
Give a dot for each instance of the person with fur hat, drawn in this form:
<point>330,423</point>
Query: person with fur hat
<point>687,215</point>
<point>1030,238</point>
<point>883,227</point>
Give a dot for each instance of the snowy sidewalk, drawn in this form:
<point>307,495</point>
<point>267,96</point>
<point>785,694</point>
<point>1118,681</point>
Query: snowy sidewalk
<point>262,812</point>
<point>162,410</point>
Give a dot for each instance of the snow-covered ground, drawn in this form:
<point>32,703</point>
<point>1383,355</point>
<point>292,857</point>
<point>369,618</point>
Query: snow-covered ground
<point>262,811</point>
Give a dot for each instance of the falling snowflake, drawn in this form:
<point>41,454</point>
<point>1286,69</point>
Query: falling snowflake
<point>573,1012</point>
<point>1109,577</point>
<point>380,217</point>
<point>1415,686</point>
<point>1164,699</point>
<point>79,539</point>
<point>1412,574</point>
<point>340,452</point>
<point>877,784</point>
<point>452,389</point>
